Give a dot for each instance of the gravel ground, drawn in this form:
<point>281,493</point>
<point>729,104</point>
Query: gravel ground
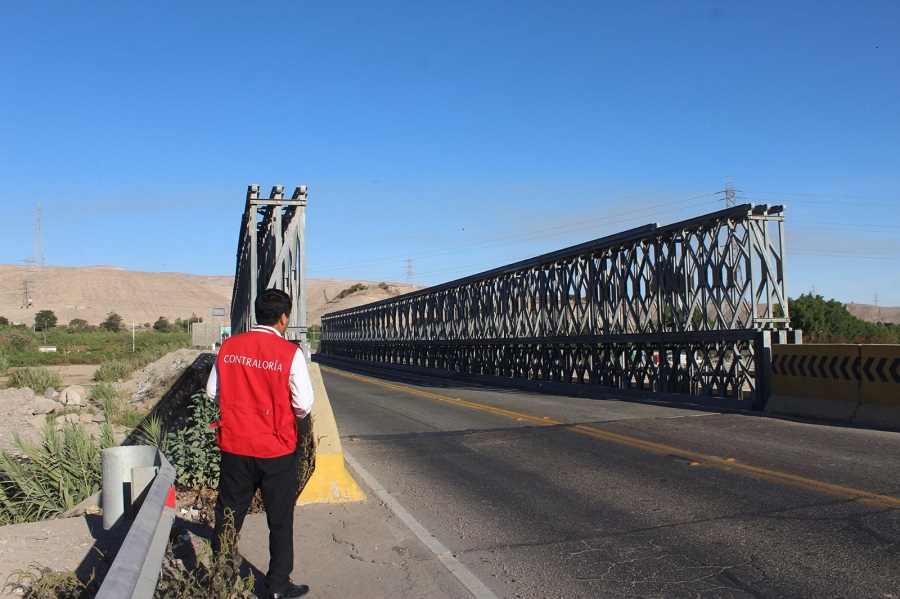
<point>16,416</point>
<point>145,387</point>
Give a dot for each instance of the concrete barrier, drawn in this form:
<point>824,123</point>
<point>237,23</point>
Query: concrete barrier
<point>330,482</point>
<point>879,394</point>
<point>815,380</point>
<point>850,383</point>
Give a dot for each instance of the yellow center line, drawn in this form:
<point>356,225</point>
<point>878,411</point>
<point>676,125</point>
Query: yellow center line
<point>728,464</point>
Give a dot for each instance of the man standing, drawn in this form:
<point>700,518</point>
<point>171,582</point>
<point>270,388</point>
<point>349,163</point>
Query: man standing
<point>261,384</point>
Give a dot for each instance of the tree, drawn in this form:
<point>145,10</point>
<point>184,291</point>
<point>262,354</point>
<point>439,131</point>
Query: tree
<point>162,325</point>
<point>79,325</point>
<point>829,321</point>
<point>185,324</point>
<point>43,320</point>
<point>112,323</point>
<point>4,321</point>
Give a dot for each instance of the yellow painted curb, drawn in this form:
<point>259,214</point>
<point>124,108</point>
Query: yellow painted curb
<point>330,481</point>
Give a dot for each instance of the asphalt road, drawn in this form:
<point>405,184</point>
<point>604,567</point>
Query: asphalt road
<point>551,496</point>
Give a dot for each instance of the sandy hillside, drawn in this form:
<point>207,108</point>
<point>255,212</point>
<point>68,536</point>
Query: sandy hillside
<point>91,293</point>
<point>874,313</point>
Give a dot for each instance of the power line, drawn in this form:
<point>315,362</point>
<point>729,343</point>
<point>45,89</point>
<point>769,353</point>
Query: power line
<point>817,202</point>
<point>812,222</point>
<point>823,195</point>
<point>532,235</point>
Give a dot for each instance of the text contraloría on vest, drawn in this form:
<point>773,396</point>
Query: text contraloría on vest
<point>252,362</point>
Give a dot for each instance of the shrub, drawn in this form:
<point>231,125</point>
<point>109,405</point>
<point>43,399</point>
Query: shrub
<point>114,370</point>
<point>16,341</point>
<point>36,379</point>
<point>185,324</point>
<point>54,475</point>
<point>154,432</point>
<point>351,290</point>
<point>130,418</point>
<point>80,325</point>
<point>215,577</point>
<point>104,392</point>
<point>193,450</point>
<point>110,400</point>
<point>4,363</point>
<point>40,582</point>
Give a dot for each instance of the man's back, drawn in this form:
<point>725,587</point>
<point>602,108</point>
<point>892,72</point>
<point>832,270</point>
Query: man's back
<point>255,398</point>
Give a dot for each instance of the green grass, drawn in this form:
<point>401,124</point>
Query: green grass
<point>129,417</point>
<point>111,352</point>
<point>93,347</point>
<point>114,370</point>
<point>36,379</point>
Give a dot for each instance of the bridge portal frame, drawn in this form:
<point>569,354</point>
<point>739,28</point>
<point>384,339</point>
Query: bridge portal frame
<point>271,253</point>
<point>684,309</point>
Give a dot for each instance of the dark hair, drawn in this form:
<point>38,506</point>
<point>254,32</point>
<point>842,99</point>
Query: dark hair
<point>270,305</point>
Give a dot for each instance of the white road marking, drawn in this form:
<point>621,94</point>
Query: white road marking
<point>463,574</point>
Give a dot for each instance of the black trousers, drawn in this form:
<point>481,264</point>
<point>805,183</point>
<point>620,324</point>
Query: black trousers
<point>276,479</point>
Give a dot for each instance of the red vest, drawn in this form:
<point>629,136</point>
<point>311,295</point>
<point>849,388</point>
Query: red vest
<point>254,395</point>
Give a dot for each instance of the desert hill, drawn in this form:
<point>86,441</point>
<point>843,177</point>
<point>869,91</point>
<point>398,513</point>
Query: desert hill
<point>871,313</point>
<point>90,293</point>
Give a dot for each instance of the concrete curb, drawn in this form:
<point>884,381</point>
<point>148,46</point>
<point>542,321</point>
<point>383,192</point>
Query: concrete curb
<point>330,481</point>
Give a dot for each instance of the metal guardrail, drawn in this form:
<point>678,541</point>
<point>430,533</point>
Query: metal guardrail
<point>135,571</point>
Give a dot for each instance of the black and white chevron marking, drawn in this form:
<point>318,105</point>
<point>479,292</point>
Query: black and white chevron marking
<point>846,368</point>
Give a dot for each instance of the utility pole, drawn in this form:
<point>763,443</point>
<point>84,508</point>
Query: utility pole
<point>409,271</point>
<point>733,256</point>
<point>730,193</point>
<point>37,259</point>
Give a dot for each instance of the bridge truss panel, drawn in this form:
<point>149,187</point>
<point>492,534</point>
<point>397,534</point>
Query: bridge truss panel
<point>271,253</point>
<point>678,309</point>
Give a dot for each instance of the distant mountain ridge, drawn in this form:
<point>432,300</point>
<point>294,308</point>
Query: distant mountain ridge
<point>871,313</point>
<point>91,292</point>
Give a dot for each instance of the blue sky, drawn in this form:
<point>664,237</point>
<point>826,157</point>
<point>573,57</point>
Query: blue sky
<point>462,134</point>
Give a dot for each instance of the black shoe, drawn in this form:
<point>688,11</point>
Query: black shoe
<point>292,590</point>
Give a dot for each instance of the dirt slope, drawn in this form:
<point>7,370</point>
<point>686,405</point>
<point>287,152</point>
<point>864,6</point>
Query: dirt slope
<point>91,293</point>
<point>874,313</point>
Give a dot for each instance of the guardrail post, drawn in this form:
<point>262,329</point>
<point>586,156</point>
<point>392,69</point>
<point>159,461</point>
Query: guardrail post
<point>121,489</point>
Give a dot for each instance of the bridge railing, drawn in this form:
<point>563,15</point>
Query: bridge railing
<point>677,309</point>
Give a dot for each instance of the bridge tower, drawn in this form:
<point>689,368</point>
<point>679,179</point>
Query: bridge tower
<point>271,253</point>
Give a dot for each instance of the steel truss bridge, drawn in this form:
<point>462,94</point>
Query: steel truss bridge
<point>271,252</point>
<point>687,309</point>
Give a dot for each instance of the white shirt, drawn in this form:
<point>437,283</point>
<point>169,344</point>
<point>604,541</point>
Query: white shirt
<point>301,387</point>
